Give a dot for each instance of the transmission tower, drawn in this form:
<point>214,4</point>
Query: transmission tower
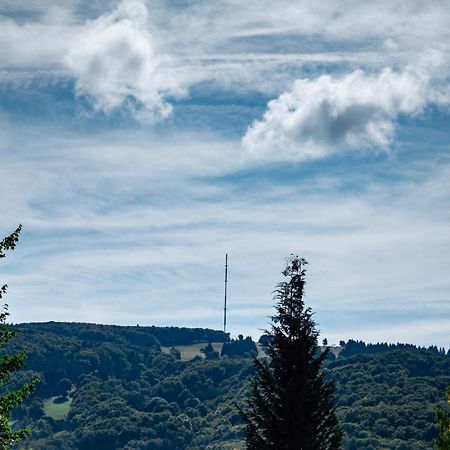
<point>225,296</point>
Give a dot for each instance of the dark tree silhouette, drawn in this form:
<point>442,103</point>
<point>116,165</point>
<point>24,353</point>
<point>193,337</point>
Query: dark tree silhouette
<point>443,418</point>
<point>292,406</point>
<point>9,363</point>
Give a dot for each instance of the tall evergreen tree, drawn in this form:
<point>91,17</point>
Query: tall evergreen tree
<point>291,406</point>
<point>443,418</point>
<point>9,363</point>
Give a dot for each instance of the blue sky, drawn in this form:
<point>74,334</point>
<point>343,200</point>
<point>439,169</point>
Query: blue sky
<point>143,140</point>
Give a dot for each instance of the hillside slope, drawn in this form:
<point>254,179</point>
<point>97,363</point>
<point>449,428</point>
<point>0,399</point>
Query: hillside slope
<point>109,388</point>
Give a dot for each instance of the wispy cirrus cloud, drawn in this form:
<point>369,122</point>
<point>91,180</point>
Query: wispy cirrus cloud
<point>133,229</point>
<point>153,48</point>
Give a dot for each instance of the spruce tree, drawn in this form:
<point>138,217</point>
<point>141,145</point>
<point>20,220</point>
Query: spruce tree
<point>9,363</point>
<point>443,418</point>
<point>292,406</point>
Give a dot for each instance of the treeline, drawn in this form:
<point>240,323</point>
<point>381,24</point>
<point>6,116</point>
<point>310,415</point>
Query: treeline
<point>135,335</point>
<point>240,347</point>
<point>352,347</point>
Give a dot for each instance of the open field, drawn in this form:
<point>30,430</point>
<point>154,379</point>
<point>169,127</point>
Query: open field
<point>57,410</point>
<point>189,352</point>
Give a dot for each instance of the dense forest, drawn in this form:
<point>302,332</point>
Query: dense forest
<point>110,387</point>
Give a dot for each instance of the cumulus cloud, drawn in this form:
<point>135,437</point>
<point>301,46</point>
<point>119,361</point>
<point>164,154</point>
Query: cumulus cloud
<point>116,64</point>
<point>327,114</point>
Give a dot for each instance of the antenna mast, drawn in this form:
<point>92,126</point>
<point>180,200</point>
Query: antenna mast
<point>225,303</point>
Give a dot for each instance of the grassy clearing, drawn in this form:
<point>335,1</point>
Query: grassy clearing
<point>57,410</point>
<point>189,352</point>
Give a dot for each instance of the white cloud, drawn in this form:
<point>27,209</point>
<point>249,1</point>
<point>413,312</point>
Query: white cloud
<point>324,115</point>
<point>115,64</point>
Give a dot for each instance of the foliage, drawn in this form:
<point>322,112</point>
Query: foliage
<point>10,363</point>
<point>352,347</point>
<point>388,400</point>
<point>209,352</point>
<point>64,386</point>
<point>443,419</point>
<point>291,405</point>
<point>136,397</point>
<point>126,394</point>
<point>135,335</point>
<point>240,347</point>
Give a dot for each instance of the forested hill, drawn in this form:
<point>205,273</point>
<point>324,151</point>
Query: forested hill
<point>110,387</point>
<point>166,336</point>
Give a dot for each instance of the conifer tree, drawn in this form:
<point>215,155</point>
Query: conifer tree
<point>443,418</point>
<point>291,406</point>
<point>9,363</point>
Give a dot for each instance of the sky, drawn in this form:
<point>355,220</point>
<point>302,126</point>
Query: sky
<point>143,140</point>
